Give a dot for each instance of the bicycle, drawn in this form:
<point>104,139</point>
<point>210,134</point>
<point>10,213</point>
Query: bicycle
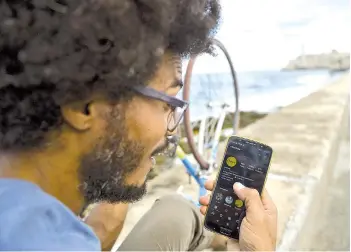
<point>210,129</point>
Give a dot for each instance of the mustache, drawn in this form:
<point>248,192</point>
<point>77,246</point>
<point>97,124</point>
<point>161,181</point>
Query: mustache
<point>160,149</point>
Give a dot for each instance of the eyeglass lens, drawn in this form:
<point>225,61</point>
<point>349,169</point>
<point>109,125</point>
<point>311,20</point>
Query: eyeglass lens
<point>174,118</point>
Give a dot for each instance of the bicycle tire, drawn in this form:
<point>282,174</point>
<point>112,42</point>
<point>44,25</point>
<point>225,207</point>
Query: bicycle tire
<point>204,165</point>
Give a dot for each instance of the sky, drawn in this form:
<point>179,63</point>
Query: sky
<point>266,34</point>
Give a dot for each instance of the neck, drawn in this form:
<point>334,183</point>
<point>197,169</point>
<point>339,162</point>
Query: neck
<point>54,174</point>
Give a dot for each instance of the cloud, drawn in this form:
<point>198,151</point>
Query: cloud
<point>262,35</point>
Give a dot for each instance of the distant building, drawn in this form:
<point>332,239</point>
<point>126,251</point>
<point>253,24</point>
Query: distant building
<point>333,61</point>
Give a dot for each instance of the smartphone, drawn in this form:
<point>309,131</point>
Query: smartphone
<point>245,161</point>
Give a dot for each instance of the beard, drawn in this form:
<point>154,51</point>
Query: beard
<point>104,170</point>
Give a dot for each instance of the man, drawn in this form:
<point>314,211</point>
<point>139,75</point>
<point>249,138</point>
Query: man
<point>87,99</point>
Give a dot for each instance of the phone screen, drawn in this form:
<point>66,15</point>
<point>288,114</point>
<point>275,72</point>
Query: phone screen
<point>247,162</point>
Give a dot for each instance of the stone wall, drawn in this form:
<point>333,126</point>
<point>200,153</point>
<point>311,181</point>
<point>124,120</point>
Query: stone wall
<point>305,140</point>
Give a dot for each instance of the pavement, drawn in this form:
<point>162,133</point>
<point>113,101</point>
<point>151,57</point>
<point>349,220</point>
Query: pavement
<point>333,233</point>
<point>309,177</point>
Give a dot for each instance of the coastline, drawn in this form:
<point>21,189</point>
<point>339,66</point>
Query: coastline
<point>246,118</point>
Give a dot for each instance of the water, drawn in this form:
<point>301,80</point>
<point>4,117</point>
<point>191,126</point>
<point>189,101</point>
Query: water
<point>264,91</point>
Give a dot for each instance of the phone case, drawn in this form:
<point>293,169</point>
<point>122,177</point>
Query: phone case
<point>217,175</point>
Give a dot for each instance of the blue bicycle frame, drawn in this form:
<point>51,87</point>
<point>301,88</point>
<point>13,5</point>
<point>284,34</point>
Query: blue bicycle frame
<point>200,179</point>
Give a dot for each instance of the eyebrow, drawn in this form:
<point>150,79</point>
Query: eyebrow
<point>176,83</point>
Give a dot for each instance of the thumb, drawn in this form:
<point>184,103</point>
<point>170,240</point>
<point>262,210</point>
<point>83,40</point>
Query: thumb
<point>251,197</point>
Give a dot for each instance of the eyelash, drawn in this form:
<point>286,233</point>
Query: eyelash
<point>167,107</point>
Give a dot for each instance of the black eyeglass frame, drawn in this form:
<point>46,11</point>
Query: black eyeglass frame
<point>170,100</point>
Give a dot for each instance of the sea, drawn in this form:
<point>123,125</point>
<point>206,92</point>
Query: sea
<point>259,91</point>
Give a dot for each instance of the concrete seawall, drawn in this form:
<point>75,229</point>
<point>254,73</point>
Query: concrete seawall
<point>305,139</point>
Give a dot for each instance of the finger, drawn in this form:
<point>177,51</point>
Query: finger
<point>267,202</point>
<point>204,200</point>
<point>209,185</point>
<point>272,212</point>
<point>266,198</point>
<point>251,197</point>
<point>203,209</point>
<point>233,245</point>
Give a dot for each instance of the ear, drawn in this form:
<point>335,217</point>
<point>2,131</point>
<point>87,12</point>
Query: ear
<point>78,116</point>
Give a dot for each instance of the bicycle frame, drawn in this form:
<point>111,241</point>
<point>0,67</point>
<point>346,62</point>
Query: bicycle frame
<point>200,158</point>
<point>215,141</point>
<point>200,176</point>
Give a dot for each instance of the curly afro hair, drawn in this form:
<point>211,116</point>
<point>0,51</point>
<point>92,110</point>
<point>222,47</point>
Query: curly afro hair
<point>53,52</point>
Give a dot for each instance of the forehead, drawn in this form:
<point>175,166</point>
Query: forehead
<point>176,62</point>
<point>168,71</point>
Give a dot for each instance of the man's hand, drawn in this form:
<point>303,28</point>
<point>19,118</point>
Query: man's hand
<point>258,230</point>
<point>107,222</point>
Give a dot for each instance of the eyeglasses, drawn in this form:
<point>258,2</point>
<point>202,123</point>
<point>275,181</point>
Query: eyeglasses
<point>178,106</point>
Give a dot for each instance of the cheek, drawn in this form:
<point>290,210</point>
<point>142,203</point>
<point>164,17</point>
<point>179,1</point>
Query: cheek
<point>146,126</point>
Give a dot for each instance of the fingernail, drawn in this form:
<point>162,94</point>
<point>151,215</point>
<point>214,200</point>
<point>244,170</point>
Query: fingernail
<point>238,186</point>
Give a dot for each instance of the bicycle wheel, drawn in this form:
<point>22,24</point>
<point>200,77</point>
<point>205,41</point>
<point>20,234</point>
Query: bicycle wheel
<point>210,126</point>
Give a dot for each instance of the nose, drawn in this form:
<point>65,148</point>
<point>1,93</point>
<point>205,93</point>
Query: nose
<point>172,143</point>
<point>173,133</point>
<point>173,136</point>
<point>173,139</point>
